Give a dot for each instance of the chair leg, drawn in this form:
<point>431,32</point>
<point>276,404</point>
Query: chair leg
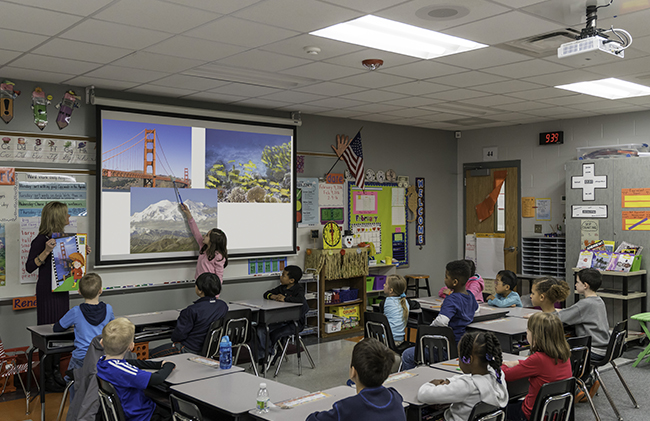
<point>627,389</point>
<point>311,361</point>
<point>583,387</point>
<point>237,355</point>
<point>284,352</point>
<point>63,399</point>
<point>609,398</point>
<point>250,354</point>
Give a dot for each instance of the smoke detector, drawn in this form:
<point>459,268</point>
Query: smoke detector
<point>372,63</point>
<point>312,50</point>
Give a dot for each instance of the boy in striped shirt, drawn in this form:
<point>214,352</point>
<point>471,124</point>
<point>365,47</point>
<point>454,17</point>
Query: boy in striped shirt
<point>126,375</point>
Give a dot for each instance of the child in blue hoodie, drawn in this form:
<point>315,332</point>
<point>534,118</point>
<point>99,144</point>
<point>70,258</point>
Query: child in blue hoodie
<point>88,318</point>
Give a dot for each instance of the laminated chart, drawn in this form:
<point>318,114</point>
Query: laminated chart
<point>636,220</point>
<point>367,233</point>
<point>635,198</point>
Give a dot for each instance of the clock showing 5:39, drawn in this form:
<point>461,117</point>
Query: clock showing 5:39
<point>331,236</point>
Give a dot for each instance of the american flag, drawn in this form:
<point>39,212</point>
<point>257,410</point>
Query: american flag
<point>353,157</point>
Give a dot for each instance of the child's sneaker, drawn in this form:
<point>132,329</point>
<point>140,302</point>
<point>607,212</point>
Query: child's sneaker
<point>594,388</point>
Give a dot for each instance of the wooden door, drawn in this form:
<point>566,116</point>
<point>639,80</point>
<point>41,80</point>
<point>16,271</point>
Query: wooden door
<point>476,190</point>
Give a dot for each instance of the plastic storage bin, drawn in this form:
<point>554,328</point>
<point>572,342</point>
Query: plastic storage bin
<point>380,280</point>
<point>370,283</point>
<point>349,294</point>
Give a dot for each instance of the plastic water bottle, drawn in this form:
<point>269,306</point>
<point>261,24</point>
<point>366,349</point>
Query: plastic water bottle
<point>225,353</point>
<point>263,399</point>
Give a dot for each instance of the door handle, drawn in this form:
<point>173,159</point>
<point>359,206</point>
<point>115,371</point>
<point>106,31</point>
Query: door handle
<point>510,248</point>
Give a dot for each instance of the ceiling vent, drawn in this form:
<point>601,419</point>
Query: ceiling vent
<point>540,46</point>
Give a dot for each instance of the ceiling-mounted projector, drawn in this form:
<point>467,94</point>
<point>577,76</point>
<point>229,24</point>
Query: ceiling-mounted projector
<point>595,44</point>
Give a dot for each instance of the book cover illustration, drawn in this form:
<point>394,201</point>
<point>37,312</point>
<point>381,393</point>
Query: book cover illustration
<point>68,262</point>
<point>584,260</point>
<point>624,262</point>
<point>601,260</point>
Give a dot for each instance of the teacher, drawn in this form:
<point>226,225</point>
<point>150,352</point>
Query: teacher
<point>50,306</point>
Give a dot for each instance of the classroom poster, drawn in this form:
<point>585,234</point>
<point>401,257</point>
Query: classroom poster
<point>8,203</point>
<point>543,210</point>
<point>589,232</point>
<point>527,207</point>
<point>29,231</point>
<point>330,195</point>
<point>309,200</point>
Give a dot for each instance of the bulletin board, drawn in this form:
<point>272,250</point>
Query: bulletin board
<point>377,214</point>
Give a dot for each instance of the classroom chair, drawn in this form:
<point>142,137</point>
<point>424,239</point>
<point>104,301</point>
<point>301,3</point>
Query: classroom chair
<point>111,405</point>
<point>614,350</point>
<point>643,319</point>
<point>485,412</point>
<point>435,344</point>
<point>377,327</point>
<point>237,325</point>
<point>554,401</point>
<point>211,344</point>
<point>413,284</point>
<point>580,350</point>
<point>183,410</point>
<point>290,337</point>
<point>9,367</point>
<point>70,375</point>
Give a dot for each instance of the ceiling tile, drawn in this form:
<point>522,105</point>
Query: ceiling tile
<point>506,27</point>
<point>101,83</point>
<point>572,100</point>
<point>41,76</point>
<point>157,15</point>
<point>424,69</point>
<point>543,93</point>
<point>215,97</point>
<point>295,47</point>
<point>151,61</point>
<point>469,11</point>
<point>525,69</point>
<point>507,87</point>
<point>410,121</point>
<point>38,21</point>
<point>485,57</point>
<point>126,74</point>
<point>6,56</point>
<point>373,80</point>
<point>518,3</point>
<point>382,118</point>
<point>573,12</point>
<point>562,78</point>
<point>323,71</point>
<point>299,15</point>
<point>409,112</point>
<point>366,6</point>
<point>375,95</point>
<point>242,89</point>
<point>73,7</point>
<point>77,50</point>
<point>629,67</point>
<point>195,48</point>
<point>524,106</point>
<point>113,34</point>
<point>20,41</point>
<point>354,59</point>
<point>318,110</point>
<point>418,88</point>
<point>161,91</point>
<point>457,94</point>
<point>466,79</point>
<point>262,60</point>
<point>55,64</point>
<point>545,112</point>
<point>294,97</point>
<point>491,100</point>
<point>262,103</point>
<point>336,103</point>
<point>190,82</point>
<point>374,108</point>
<point>330,89</point>
<point>222,6</point>
<point>413,101</point>
<point>240,32</point>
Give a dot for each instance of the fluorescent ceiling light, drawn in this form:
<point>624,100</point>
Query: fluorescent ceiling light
<point>610,88</point>
<point>388,35</point>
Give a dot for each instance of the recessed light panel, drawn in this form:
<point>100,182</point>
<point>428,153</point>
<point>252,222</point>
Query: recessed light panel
<point>610,88</point>
<point>396,37</point>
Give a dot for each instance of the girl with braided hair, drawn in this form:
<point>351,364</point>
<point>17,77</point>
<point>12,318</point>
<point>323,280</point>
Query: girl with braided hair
<point>546,292</point>
<point>480,361</point>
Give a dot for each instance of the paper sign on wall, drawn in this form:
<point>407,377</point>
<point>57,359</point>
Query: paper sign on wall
<point>330,194</point>
<point>589,182</point>
<point>527,207</point>
<point>308,201</point>
<point>636,220</point>
<point>635,198</point>
<point>593,211</point>
<point>543,210</point>
<point>589,232</point>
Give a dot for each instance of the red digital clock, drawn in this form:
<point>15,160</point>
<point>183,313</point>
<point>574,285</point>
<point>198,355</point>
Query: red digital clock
<point>551,138</point>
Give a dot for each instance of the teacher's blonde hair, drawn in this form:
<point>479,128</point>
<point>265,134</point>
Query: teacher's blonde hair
<point>53,218</point>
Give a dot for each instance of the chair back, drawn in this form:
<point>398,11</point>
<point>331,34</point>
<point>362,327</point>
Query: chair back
<point>485,412</point>
<point>377,327</point>
<point>439,341</point>
<point>554,401</point>
<point>580,350</point>
<point>111,405</point>
<point>183,410</point>
<point>616,343</point>
<point>211,343</point>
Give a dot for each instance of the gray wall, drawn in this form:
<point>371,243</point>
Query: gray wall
<point>409,151</point>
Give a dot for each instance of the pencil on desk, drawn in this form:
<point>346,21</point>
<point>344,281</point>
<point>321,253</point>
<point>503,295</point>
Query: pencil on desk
<point>450,364</point>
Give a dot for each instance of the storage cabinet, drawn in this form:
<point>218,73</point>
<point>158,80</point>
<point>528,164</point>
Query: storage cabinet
<point>309,282</point>
<point>543,256</point>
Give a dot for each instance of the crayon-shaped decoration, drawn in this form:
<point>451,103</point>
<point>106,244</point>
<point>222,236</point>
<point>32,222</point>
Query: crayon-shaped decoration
<point>7,96</point>
<point>68,103</point>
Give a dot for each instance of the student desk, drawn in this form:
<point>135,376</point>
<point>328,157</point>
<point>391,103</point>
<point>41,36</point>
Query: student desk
<point>302,411</point>
<point>45,340</point>
<point>431,309</point>
<point>189,371</point>
<point>235,394</point>
<point>271,311</point>
<point>509,331</point>
<point>409,387</point>
<point>521,311</point>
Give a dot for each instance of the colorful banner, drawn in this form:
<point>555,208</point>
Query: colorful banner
<point>420,238</point>
<point>43,149</point>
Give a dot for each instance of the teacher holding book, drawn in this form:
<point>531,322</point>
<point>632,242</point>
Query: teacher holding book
<point>50,306</point>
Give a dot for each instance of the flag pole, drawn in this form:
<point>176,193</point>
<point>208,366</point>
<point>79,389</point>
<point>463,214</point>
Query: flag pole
<point>339,158</point>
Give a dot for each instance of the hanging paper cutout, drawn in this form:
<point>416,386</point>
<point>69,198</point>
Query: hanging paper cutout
<point>68,103</point>
<point>485,209</point>
<point>7,96</point>
<point>39,107</point>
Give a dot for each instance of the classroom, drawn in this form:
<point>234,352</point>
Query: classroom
<point>452,122</point>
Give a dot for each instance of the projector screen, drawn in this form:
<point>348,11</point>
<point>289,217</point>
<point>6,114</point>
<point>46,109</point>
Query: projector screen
<point>233,175</point>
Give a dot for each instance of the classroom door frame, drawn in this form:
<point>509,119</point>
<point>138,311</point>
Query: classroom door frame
<point>492,165</point>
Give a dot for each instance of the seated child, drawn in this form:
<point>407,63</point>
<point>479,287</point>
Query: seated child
<point>88,318</point>
<point>194,322</point>
<point>371,363</point>
<point>457,311</point>
<point>396,306</point>
<point>505,296</point>
<point>127,376</point>
<point>475,284</point>
<point>290,291</point>
<point>548,362</point>
<point>480,360</point>
<point>546,292</point>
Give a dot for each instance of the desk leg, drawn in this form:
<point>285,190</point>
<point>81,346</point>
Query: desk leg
<point>297,341</point>
<point>30,364</point>
<point>41,357</point>
<point>266,349</point>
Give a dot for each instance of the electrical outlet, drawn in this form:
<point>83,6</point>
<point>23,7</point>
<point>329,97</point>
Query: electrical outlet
<point>538,228</point>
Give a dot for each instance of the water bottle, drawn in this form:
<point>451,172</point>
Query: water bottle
<point>263,399</point>
<point>225,353</point>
